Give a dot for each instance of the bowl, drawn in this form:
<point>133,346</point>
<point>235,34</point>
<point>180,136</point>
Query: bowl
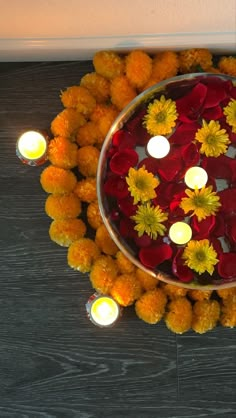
<point>199,102</point>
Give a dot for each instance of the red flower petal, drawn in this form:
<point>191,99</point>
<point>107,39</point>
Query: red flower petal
<point>231,228</point>
<point>127,206</point>
<point>184,134</point>
<point>213,113</point>
<point>189,107</point>
<point>219,229</point>
<point>136,128</point>
<point>190,155</point>
<point>228,200</point>
<point>202,229</point>
<point>116,186</point>
<point>217,91</point>
<point>180,270</point>
<point>227,265</point>
<point>218,167</point>
<point>126,228</point>
<point>155,255</point>
<point>122,160</point>
<point>143,241</point>
<point>150,164</point>
<point>123,139</point>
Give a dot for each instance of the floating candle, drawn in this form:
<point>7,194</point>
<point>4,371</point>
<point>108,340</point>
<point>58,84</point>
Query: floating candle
<point>103,311</point>
<point>158,146</point>
<point>180,233</point>
<point>196,177</point>
<point>31,148</point>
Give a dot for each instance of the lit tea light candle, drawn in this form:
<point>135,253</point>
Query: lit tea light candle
<point>31,148</point>
<point>158,146</point>
<point>196,177</point>
<point>103,311</point>
<point>180,233</point>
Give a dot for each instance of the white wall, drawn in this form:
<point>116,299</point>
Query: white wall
<point>56,21</point>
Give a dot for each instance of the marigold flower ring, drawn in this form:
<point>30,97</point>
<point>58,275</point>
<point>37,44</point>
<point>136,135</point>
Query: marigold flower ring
<point>146,199</point>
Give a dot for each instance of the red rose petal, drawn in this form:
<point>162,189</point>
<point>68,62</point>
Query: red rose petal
<point>189,107</point>
<point>231,228</point>
<point>150,164</point>
<point>143,241</point>
<point>122,160</point>
<point>190,155</point>
<point>184,134</point>
<point>202,229</point>
<point>127,206</point>
<point>213,113</point>
<point>123,139</point>
<point>155,255</point>
<point>180,270</point>
<point>126,228</point>
<point>116,186</point>
<point>219,167</point>
<point>227,265</point>
<point>228,200</point>
<point>217,91</point>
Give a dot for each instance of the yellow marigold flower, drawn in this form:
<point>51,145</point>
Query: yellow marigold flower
<point>108,64</point>
<point>124,264</point>
<point>82,254</point>
<point>173,291</point>
<point>230,113</point>
<point>205,315</point>
<point>196,294</point>
<point>122,92</point>
<point>93,215</point>
<point>62,153</point>
<point>191,59</point>
<point>86,189</point>
<point>78,98</point>
<point>214,140</point>
<point>200,256</point>
<point>160,117</point>
<point>67,123</point>
<point>63,206</point>
<point>149,219</point>
<point>227,65</point>
<point>98,86</point>
<point>66,231</point>
<point>141,184</point>
<point>225,293</point>
<point>147,281</point>
<point>203,202</point>
<point>57,180</point>
<point>89,134</point>
<point>126,289</point>
<point>87,160</point>
<point>178,317</point>
<point>228,312</point>
<point>103,274</point>
<point>150,307</point>
<point>104,241</point>
<point>138,68</point>
<point>165,65</point>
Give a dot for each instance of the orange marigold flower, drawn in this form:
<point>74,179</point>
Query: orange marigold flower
<point>57,180</point>
<point>150,307</point>
<point>228,311</point>
<point>87,160</point>
<point>179,315</point>
<point>104,241</point>
<point>86,189</point>
<point>225,293</point>
<point>78,98</point>
<point>104,116</point>
<point>103,274</point>
<point>121,92</point>
<point>126,289</point>
<point>93,215</point>
<point>89,134</point>
<point>63,206</point>
<point>82,254</point>
<point>173,291</point>
<point>165,65</point>
<point>196,294</point>
<point>147,281</point>
<point>227,65</point>
<point>108,64</point>
<point>191,59</point>
<point>138,68</point>
<point>206,313</point>
<point>62,153</point>
<point>98,86</point>
<point>124,264</point>
<point>66,231</point>
<point>67,123</point>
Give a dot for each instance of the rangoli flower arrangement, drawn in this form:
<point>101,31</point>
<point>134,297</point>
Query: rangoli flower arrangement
<point>147,196</point>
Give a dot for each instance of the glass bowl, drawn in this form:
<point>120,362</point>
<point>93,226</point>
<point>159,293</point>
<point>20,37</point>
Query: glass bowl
<point>115,210</point>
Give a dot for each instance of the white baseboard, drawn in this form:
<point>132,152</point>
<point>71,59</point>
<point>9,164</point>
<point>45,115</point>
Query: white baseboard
<point>67,49</point>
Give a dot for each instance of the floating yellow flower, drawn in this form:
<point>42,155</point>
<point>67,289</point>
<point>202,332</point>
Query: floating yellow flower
<point>214,140</point>
<point>149,219</point>
<point>203,202</point>
<point>230,113</point>
<point>161,116</point>
<point>200,256</point>
<point>141,184</point>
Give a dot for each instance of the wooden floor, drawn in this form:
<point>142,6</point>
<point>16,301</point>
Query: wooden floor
<point>53,361</point>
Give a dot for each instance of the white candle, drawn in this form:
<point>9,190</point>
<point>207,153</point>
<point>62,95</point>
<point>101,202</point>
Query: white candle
<point>31,148</point>
<point>158,146</point>
<point>180,233</point>
<point>103,310</point>
<point>196,177</point>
